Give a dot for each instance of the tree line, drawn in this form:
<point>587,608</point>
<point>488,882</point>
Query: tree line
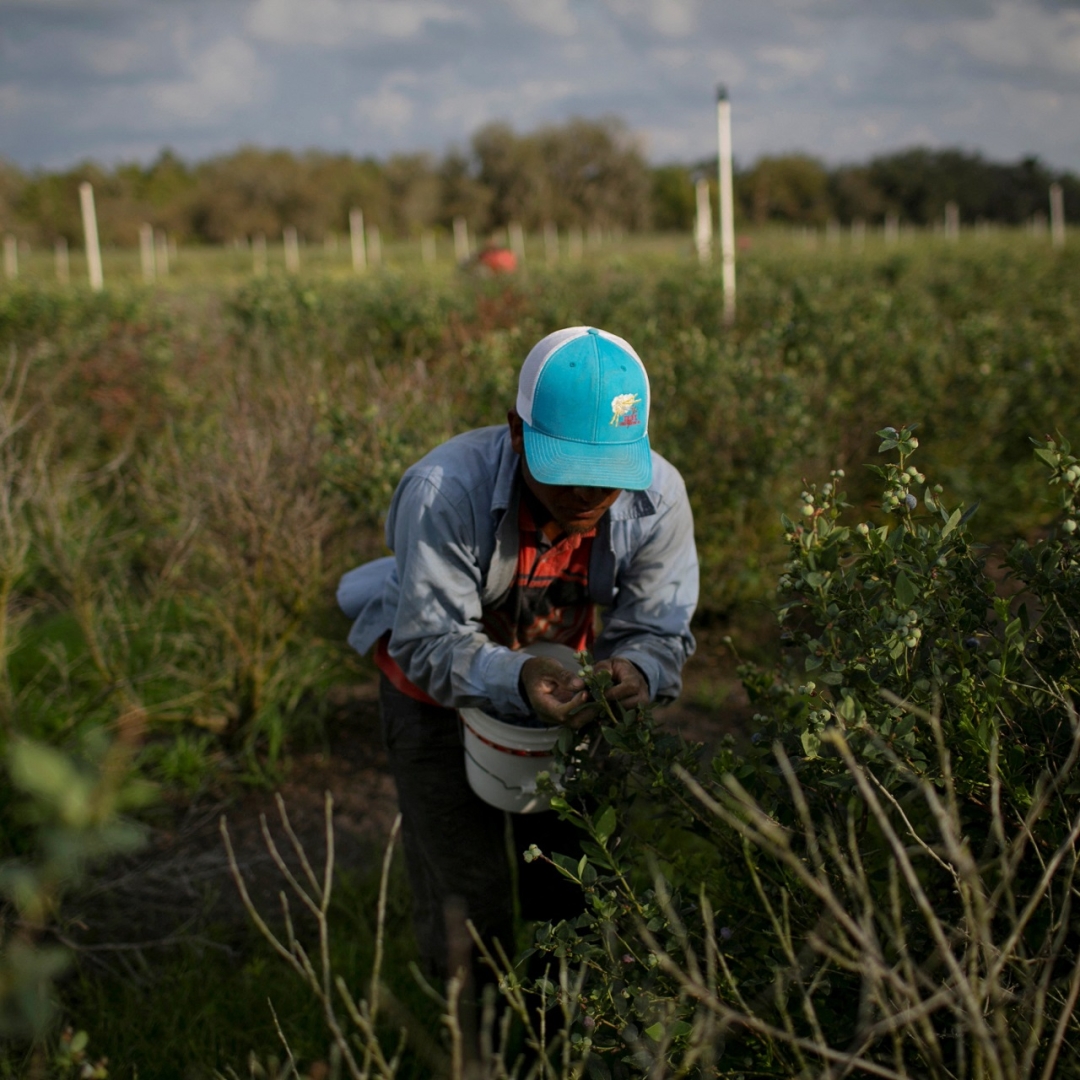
<point>587,174</point>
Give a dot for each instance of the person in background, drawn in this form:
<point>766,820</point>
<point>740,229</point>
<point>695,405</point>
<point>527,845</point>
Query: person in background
<point>504,536</point>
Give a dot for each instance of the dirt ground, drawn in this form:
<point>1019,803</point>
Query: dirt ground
<point>181,880</point>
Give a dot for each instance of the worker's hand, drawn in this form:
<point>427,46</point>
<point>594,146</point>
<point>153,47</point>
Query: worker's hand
<point>628,685</point>
<point>556,695</point>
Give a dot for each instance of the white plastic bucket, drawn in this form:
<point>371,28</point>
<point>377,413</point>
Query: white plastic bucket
<point>503,760</point>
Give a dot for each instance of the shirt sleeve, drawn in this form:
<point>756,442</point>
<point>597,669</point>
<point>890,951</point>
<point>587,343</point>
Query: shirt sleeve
<point>649,622</point>
<point>437,637</point>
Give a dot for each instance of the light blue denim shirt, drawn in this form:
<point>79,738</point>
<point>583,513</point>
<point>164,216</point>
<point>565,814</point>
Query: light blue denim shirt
<point>453,530</point>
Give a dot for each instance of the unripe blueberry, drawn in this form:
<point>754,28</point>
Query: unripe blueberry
<point>862,529</point>
<point>914,443</point>
<point>1069,526</point>
<point>807,510</point>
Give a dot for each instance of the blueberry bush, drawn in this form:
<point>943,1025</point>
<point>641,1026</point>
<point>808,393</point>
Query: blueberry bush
<point>880,878</point>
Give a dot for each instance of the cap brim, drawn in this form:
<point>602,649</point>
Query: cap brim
<point>576,464</point>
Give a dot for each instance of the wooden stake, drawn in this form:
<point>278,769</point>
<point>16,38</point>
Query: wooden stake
<point>292,250</point>
<point>1057,216</point>
<point>952,221</point>
<point>551,242</point>
<point>461,240</point>
<point>11,258</point>
<point>727,201</point>
<point>517,240</point>
<point>146,252</point>
<point>161,258</point>
<point>575,243</point>
<point>374,245</point>
<point>703,222</point>
<point>63,263</point>
<point>892,228</point>
<point>356,241</point>
<point>858,234</point>
<point>427,246</point>
<point>90,235</point>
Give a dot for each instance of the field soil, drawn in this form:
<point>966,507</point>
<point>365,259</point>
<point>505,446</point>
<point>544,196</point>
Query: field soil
<point>181,882</point>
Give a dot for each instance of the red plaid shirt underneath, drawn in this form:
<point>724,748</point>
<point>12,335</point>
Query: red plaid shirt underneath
<point>548,600</point>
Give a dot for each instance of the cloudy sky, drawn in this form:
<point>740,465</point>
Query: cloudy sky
<point>119,79</point>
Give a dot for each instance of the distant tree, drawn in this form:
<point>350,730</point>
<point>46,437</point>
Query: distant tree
<point>790,188</point>
<point>918,183</point>
<point>673,199</point>
<point>12,183</point>
<point>414,192</point>
<point>516,175</point>
<point>597,174</point>
<point>853,194</point>
<point>461,192</point>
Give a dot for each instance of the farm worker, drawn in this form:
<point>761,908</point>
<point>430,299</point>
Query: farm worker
<point>497,260</point>
<point>501,537</point>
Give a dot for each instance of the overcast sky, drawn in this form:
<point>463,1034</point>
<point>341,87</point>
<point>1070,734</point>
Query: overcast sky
<point>842,79</point>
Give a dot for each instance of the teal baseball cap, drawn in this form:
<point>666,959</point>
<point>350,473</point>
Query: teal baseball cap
<point>583,397</point>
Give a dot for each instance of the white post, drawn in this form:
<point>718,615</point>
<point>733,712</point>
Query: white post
<point>832,231</point>
<point>356,240</point>
<point>575,243</point>
<point>1057,215</point>
<point>596,235</point>
<point>161,259</point>
<point>517,240</point>
<point>858,234</point>
<point>90,235</point>
<point>551,242</point>
<point>146,252</point>
<point>427,246</point>
<point>292,250</point>
<point>892,228</point>
<point>952,221</point>
<point>374,245</point>
<point>727,202</point>
<point>63,263</point>
<point>258,254</point>
<point>703,222</point>
<point>461,239</point>
<point>11,258</point>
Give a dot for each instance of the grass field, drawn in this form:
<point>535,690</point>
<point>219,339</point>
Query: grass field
<point>189,467</point>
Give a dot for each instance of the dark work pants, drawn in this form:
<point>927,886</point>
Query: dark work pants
<point>456,844</point>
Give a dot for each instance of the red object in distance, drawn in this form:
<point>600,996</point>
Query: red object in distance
<point>498,260</point>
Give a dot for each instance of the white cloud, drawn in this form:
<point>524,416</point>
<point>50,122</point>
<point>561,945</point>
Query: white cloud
<point>220,79</point>
<point>551,16</point>
<point>669,18</point>
<point>116,57</point>
<point>1019,34</point>
<point>466,108</point>
<point>11,99</point>
<point>329,23</point>
<point>791,59</point>
<point>390,108</point>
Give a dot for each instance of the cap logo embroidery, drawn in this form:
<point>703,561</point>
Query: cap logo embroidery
<point>624,410</point>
